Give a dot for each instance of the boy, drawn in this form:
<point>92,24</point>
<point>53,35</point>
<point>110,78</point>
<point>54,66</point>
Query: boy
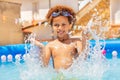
<point>63,49</point>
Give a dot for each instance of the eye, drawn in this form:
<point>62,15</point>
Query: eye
<point>56,25</point>
<point>63,24</point>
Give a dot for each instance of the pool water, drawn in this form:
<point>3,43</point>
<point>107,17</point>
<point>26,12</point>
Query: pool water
<point>23,71</point>
<point>113,72</point>
<point>9,71</point>
<point>96,67</point>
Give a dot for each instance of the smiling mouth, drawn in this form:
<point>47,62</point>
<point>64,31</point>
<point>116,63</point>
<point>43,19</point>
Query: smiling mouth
<point>60,32</point>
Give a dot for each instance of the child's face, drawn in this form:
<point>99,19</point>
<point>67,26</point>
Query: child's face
<point>61,26</point>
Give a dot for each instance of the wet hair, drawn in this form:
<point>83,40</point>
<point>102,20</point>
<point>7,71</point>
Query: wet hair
<point>58,8</point>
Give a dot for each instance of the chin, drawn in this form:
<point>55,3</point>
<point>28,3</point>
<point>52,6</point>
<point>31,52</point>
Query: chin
<point>60,36</point>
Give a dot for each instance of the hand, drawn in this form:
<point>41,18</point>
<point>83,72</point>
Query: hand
<point>37,43</point>
<point>85,34</point>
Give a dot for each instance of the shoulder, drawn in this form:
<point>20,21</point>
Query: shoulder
<point>50,43</point>
<point>77,41</point>
<point>75,38</point>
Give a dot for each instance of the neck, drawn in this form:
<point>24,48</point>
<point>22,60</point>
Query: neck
<point>62,39</point>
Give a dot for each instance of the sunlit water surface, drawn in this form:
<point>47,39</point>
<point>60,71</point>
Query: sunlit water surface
<point>33,70</point>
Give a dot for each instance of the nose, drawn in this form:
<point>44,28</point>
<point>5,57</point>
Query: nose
<point>60,27</point>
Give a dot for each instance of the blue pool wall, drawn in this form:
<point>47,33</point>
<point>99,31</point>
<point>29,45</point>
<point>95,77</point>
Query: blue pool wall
<point>110,46</point>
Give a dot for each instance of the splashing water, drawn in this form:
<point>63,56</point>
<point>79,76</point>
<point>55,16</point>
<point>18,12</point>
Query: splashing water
<point>93,68</point>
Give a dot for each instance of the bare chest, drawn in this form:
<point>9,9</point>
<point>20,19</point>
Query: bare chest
<point>63,50</point>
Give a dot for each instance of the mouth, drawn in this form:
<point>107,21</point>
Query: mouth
<point>60,32</point>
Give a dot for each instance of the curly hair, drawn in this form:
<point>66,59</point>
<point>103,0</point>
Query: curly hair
<point>61,8</point>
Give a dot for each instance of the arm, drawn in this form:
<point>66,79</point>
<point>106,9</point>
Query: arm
<point>84,45</point>
<point>46,55</point>
<point>79,47</point>
<point>84,39</point>
<point>81,44</point>
<point>45,51</point>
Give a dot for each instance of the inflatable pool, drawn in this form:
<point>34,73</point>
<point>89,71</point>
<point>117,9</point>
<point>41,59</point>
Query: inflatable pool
<point>12,51</point>
<point>111,46</point>
<point>31,70</point>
